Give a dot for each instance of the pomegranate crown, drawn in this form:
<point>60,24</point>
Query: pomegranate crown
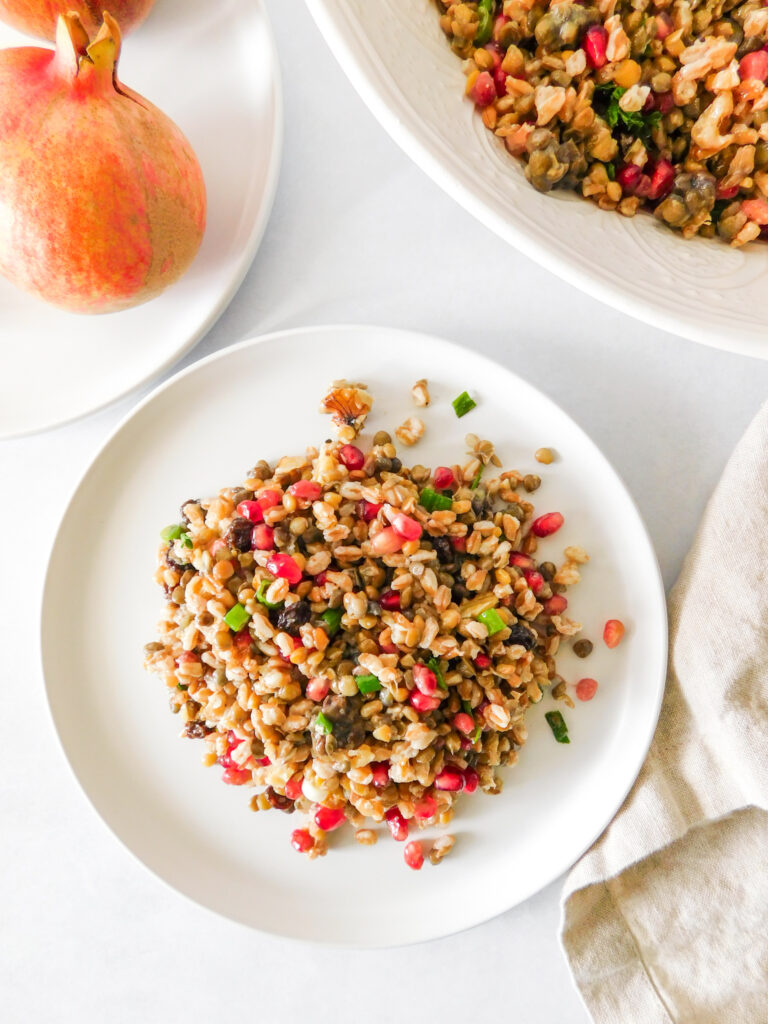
<point>76,52</point>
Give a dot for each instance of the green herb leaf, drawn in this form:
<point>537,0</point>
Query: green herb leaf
<point>434,664</point>
<point>492,621</point>
<point>186,540</point>
<point>484,26</point>
<point>477,734</point>
<point>172,532</point>
<point>635,122</point>
<point>236,618</point>
<point>557,724</point>
<point>263,588</point>
<point>433,501</point>
<point>325,723</point>
<point>610,170</point>
<point>463,404</point>
<point>181,686</point>
<point>368,684</point>
<point>478,477</point>
<point>332,618</point>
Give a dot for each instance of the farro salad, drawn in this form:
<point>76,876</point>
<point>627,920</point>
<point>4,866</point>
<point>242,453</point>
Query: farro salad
<point>659,105</point>
<point>359,640</point>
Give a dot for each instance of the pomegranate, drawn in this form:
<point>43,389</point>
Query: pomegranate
<point>38,17</point>
<point>102,197</point>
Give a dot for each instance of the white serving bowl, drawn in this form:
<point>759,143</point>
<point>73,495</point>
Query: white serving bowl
<point>398,59</point>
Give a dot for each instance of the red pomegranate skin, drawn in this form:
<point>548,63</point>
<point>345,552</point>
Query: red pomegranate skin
<point>102,199</point>
<point>38,17</point>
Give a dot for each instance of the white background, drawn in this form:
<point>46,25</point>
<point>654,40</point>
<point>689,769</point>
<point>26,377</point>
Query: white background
<point>357,234</point>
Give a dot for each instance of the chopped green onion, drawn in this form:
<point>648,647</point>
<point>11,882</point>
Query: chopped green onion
<point>368,684</point>
<point>263,588</point>
<point>463,404</point>
<point>236,618</point>
<point>477,734</point>
<point>492,621</point>
<point>485,25</point>
<point>186,540</point>
<point>324,722</point>
<point>434,664</point>
<point>433,501</point>
<point>478,477</point>
<point>467,707</point>
<point>180,686</point>
<point>172,532</point>
<point>557,724</point>
<point>332,618</point>
<point>610,169</point>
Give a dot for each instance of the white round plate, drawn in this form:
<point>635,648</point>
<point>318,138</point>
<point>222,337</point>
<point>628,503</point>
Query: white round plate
<point>201,431</point>
<point>398,59</point>
<point>213,69</point>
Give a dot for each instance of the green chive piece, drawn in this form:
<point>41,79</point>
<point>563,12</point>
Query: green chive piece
<point>186,540</point>
<point>324,722</point>
<point>181,686</point>
<point>477,734</point>
<point>263,588</point>
<point>467,707</point>
<point>434,664</point>
<point>492,621</point>
<point>557,724</point>
<point>236,618</point>
<point>368,684</point>
<point>478,477</point>
<point>172,532</point>
<point>463,404</point>
<point>332,618</point>
<point>484,26</point>
<point>433,501</point>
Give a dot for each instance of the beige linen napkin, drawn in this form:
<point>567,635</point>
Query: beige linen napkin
<point>665,919</point>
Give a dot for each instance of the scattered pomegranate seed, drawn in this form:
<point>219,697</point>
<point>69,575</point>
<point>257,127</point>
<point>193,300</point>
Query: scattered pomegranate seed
<point>269,498</point>
<point>380,772</point>
<point>534,580</point>
<point>662,179</point>
<point>444,479</point>
<point>321,579</point>
<point>423,703</point>
<point>414,855</point>
<point>464,743</point>
<point>726,193</point>
<point>459,543</point>
<point>407,527</point>
<point>483,91</point>
<point>586,689</point>
<point>367,510</point>
<point>225,760</point>
<point>236,776</point>
<point>263,537</point>
<point>329,818</point>
<point>665,101</point>
<point>188,658</point>
<point>628,177</point>
<point>351,456</point>
<point>425,808</point>
<point>613,632</point>
<point>242,640</point>
<point>425,679</point>
<point>500,77</point>
<point>294,787</point>
<point>482,661</point>
<point>471,779</point>
<point>250,510</point>
<point>664,25</point>
<point>387,541</point>
<point>556,605</point>
<point>388,648</point>
<point>317,688</point>
<point>301,840</point>
<point>390,600</point>
<point>450,778</point>
<point>263,762</point>
<point>306,490</point>
<point>284,567</point>
<point>521,561</point>
<point>594,44</point>
<point>754,65</point>
<point>397,824</point>
<point>464,723</point>
<point>549,523</point>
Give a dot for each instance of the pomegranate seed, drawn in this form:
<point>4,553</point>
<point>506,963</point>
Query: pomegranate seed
<point>726,193</point>
<point>225,760</point>
<point>465,743</point>
<point>397,824</point>
<point>284,567</point>
<point>423,703</point>
<point>321,579</point>
<point>500,81</point>
<point>367,510</point>
<point>236,776</point>
<point>414,855</point>
<point>425,679</point>
<point>390,600</point>
<point>187,658</point>
<point>407,527</point>
<point>387,541</point>
<point>594,45</point>
<point>306,490</point>
<point>586,689</point>
<point>351,456</point>
<point>482,661</point>
<point>425,808</point>
<point>450,778</point>
<point>329,818</point>
<point>471,779</point>
<point>664,101</point>
<point>294,787</point>
<point>380,772</point>
<point>263,762</point>
<point>242,640</point>
<point>444,479</point>
<point>613,632</point>
<point>301,840</point>
<point>263,537</point>
<point>459,543</point>
<point>650,103</point>
<point>547,524</point>
<point>388,648</point>
<point>555,605</point>
<point>628,177</point>
<point>663,179</point>
<point>517,558</point>
<point>483,91</point>
<point>754,65</point>
<point>269,498</point>
<point>464,723</point>
<point>664,25</point>
<point>643,186</point>
<point>250,510</point>
<point>317,688</point>
<point>534,580</point>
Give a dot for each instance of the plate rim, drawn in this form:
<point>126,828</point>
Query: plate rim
<point>199,366</point>
<point>248,256</point>
<point>569,270</point>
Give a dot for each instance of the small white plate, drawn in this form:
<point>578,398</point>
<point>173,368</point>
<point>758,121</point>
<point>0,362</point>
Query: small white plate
<point>203,430</point>
<point>213,69</point>
<point>399,60</point>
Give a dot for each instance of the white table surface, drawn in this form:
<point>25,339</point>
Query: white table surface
<point>357,234</point>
